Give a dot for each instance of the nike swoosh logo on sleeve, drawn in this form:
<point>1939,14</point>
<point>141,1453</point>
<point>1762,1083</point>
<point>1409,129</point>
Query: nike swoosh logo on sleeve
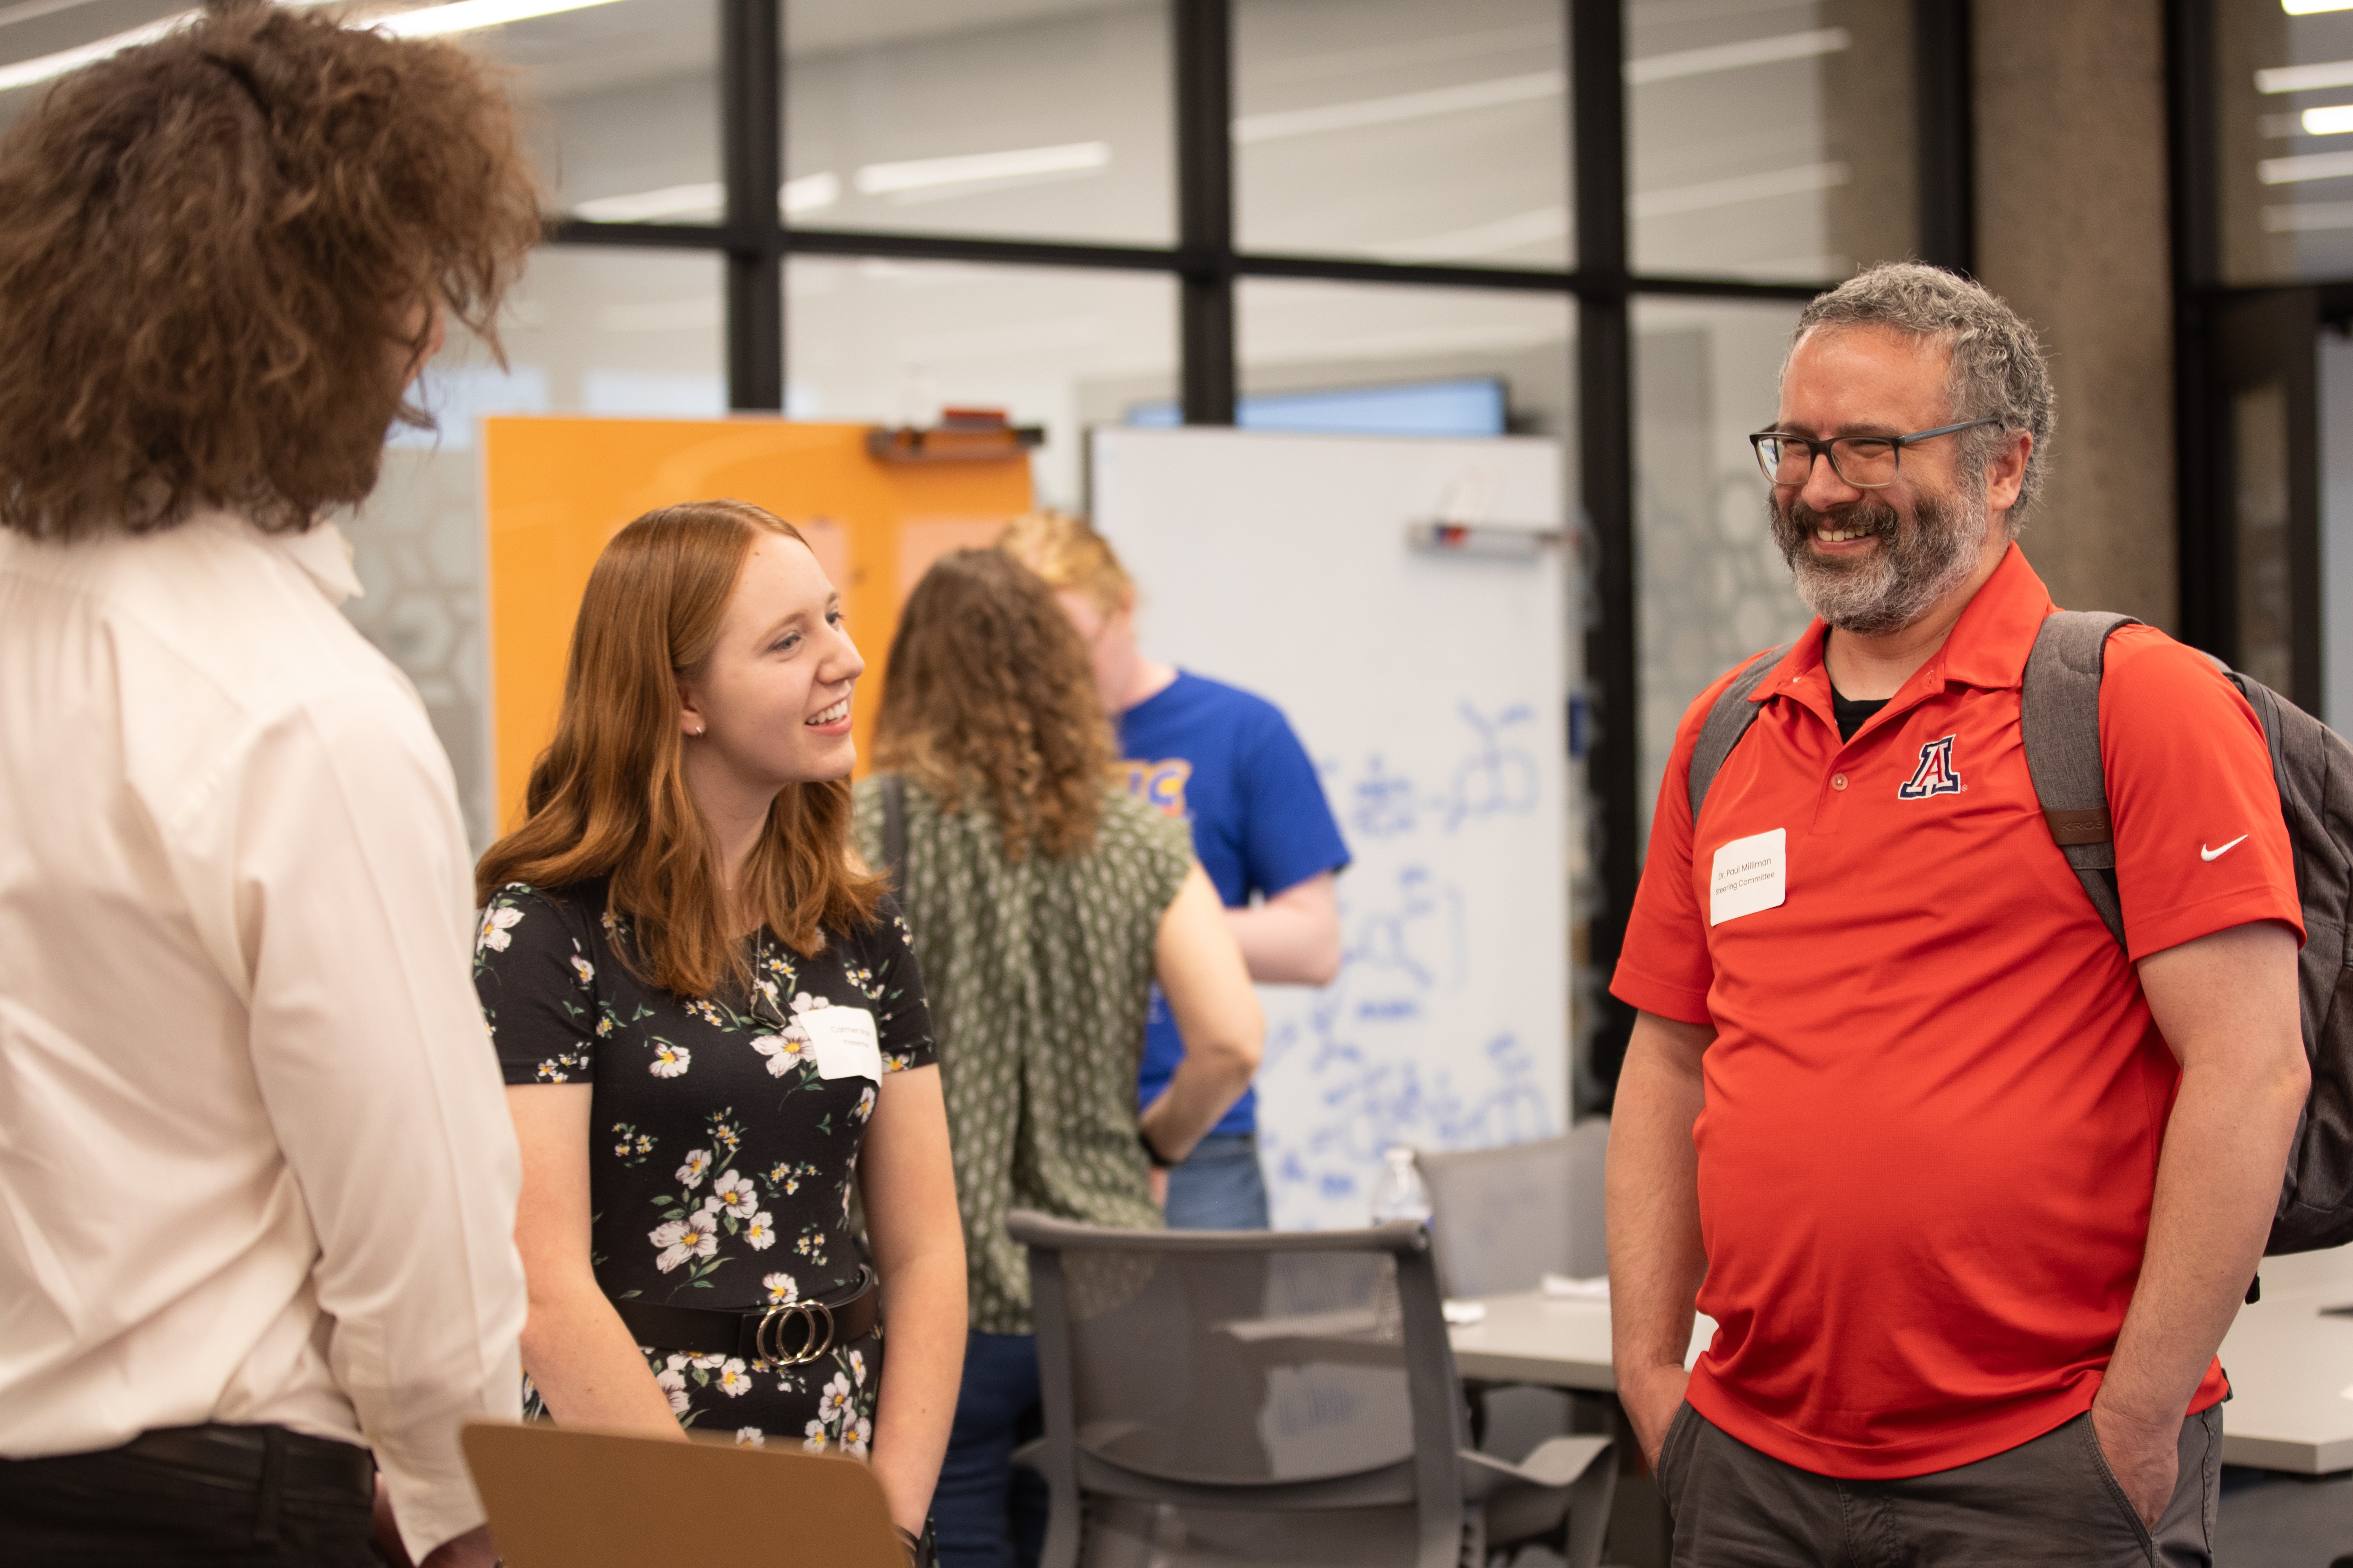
<point>2206,854</point>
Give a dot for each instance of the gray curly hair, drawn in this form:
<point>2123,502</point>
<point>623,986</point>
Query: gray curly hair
<point>1998,369</point>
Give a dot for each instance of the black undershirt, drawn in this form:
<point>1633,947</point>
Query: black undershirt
<point>1851,713</point>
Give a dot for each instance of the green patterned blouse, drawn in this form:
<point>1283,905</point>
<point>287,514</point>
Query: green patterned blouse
<point>1038,976</point>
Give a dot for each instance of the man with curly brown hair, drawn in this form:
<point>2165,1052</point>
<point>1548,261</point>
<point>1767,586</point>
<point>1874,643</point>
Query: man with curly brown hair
<point>256,1178</point>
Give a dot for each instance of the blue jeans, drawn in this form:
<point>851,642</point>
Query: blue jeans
<point>1220,1186</point>
<point>986,1514</point>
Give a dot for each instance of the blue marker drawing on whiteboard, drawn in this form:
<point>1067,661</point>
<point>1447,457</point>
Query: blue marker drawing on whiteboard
<point>1384,801</point>
<point>1496,779</point>
<point>1379,1074</point>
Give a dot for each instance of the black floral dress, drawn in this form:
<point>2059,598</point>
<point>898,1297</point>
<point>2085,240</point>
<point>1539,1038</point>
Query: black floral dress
<point>721,1156</point>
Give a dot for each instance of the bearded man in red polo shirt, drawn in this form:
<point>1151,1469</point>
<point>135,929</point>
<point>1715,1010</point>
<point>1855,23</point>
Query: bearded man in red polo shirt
<point>1970,1190</point>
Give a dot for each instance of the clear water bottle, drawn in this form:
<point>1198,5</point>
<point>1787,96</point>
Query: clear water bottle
<point>1398,1191</point>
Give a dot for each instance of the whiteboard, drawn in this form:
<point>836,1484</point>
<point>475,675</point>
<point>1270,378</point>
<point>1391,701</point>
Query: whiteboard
<point>1428,686</point>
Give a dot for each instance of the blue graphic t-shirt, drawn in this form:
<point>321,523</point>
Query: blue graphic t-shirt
<point>1228,763</point>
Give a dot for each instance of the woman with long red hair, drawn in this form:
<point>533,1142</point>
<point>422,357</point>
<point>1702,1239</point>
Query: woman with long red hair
<point>710,1025</point>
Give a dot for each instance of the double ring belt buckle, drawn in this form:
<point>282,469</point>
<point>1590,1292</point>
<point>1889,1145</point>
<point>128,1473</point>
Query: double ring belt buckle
<point>812,1345</point>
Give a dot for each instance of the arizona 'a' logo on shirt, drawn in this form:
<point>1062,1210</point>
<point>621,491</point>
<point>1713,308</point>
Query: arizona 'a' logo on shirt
<point>1935,775</point>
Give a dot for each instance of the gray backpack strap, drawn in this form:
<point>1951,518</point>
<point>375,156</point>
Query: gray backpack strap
<point>2060,715</point>
<point>1727,721</point>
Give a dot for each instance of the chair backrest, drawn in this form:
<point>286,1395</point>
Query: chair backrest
<point>1262,1385</point>
<point>560,1498</point>
<point>1502,1218</point>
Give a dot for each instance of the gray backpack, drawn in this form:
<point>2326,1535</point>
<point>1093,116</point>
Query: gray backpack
<point>2313,766</point>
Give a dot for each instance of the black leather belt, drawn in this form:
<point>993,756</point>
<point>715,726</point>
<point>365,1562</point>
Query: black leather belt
<point>786,1336</point>
<point>314,1466</point>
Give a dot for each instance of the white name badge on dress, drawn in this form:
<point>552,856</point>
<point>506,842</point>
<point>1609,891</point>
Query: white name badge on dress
<point>1751,874</point>
<point>847,1044</point>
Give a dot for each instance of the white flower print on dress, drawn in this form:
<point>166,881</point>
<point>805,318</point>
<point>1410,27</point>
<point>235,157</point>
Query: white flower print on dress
<point>736,1194</point>
<point>833,1407</point>
<point>733,1380</point>
<point>854,1437</point>
<point>696,1235</point>
<point>761,1232</point>
<point>785,1051</point>
<point>813,1442</point>
<point>865,1103</point>
<point>672,1381</point>
<point>669,1060</point>
<point>496,923</point>
<point>583,968</point>
<point>697,1160</point>
<point>858,1367</point>
<point>751,1437</point>
<point>783,1290</point>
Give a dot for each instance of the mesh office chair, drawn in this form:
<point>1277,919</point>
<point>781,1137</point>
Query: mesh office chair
<point>1228,1397</point>
<point>1503,1217</point>
<point>1500,1220</point>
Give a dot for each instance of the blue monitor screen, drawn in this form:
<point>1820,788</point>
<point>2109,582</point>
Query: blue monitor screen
<point>1474,405</point>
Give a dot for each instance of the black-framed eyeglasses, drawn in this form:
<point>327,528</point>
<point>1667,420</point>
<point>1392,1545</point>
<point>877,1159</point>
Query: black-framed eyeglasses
<point>1866,462</point>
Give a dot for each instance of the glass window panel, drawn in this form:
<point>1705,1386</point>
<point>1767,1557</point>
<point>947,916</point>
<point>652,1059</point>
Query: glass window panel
<point>1710,585</point>
<point>1041,119</point>
<point>2284,97</point>
<point>621,100</point>
<point>624,100</point>
<point>894,342</point>
<point>36,41</point>
<point>1770,139</point>
<point>1401,130</point>
<point>588,331</point>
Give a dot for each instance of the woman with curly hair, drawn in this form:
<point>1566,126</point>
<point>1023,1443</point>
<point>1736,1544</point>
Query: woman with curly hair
<point>1046,900</point>
<point>711,1027</point>
<point>260,1183</point>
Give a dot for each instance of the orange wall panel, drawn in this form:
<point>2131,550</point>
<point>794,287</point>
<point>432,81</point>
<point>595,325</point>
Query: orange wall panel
<point>558,489</point>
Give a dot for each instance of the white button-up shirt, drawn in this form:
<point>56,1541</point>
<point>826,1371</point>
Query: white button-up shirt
<point>254,1160</point>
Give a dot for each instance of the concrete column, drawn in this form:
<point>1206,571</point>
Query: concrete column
<point>2071,230</point>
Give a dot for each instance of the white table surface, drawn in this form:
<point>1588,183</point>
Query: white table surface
<point>2291,1368</point>
<point>1528,1337</point>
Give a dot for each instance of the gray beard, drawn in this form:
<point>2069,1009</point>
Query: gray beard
<point>1920,559</point>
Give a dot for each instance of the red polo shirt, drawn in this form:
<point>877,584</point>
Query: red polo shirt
<point>1935,1096</point>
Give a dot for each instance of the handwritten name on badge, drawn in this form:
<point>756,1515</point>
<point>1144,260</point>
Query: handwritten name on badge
<point>1751,874</point>
<point>846,1041</point>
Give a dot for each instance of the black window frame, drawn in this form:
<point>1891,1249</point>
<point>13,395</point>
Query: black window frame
<point>755,241</point>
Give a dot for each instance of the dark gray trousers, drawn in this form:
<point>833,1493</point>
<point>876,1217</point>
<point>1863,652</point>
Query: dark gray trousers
<point>2052,1500</point>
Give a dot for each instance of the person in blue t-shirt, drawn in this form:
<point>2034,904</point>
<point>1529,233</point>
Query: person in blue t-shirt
<point>1229,764</point>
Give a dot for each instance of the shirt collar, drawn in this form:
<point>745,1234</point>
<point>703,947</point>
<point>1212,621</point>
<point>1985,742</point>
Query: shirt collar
<point>1988,646</point>
<point>324,554</point>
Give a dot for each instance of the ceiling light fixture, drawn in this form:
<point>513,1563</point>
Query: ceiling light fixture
<point>922,173</point>
<point>2313,7</point>
<point>456,16</point>
<point>2334,121</point>
<point>466,15</point>
<point>41,67</point>
<point>1404,106</point>
<point>1717,57</point>
<point>2305,79</point>
<point>809,193</point>
<point>2306,166</point>
<point>704,200</point>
